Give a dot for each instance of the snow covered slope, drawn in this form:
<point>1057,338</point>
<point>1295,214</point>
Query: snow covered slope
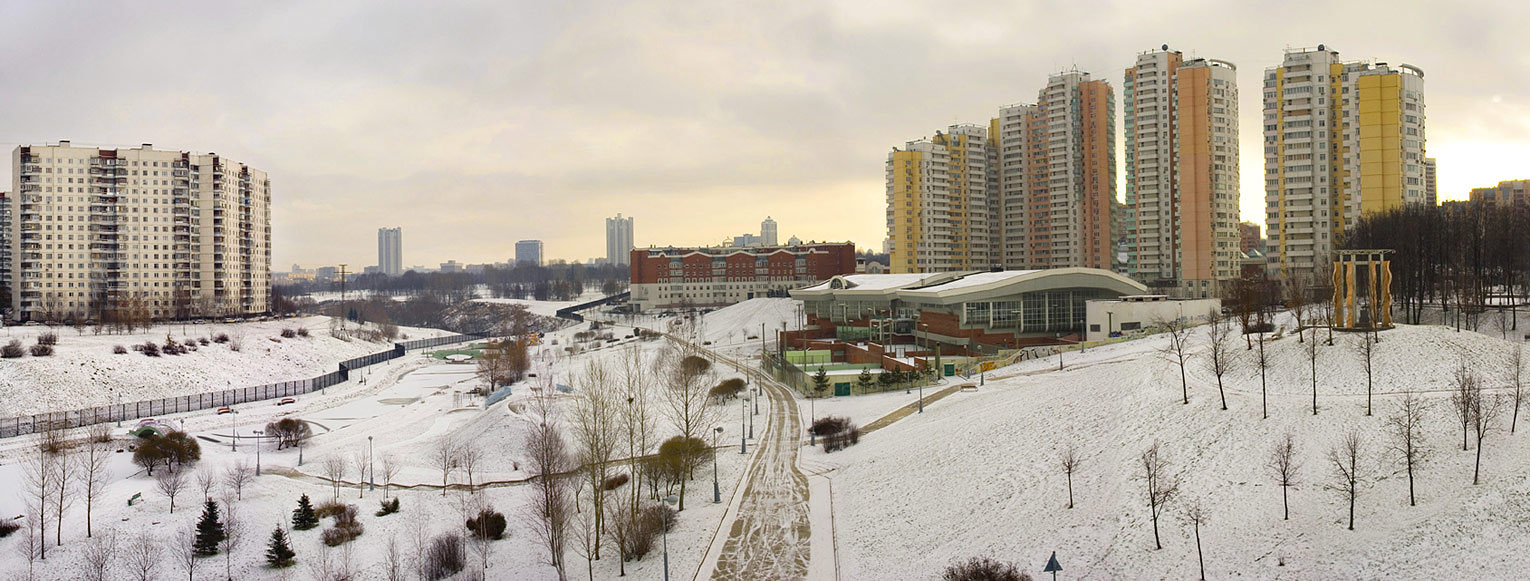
<point>977,474</point>
<point>85,372</point>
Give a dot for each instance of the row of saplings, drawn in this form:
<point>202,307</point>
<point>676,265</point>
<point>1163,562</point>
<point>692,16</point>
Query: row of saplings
<point>173,347</point>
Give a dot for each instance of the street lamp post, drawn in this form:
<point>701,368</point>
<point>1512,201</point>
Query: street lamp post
<point>258,434</point>
<point>743,412</point>
<point>120,411</point>
<point>233,426</point>
<point>756,400</point>
<point>371,472</point>
<point>716,488</point>
<point>670,501</point>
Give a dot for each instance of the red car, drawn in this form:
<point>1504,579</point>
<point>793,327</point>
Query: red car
<point>222,411</point>
<point>286,400</point>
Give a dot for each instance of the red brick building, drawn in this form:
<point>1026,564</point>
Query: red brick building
<point>669,278</point>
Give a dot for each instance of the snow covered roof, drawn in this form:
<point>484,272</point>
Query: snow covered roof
<point>955,287</point>
<point>876,282</point>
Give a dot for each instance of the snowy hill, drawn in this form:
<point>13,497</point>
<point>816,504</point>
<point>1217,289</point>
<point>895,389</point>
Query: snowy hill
<point>84,371</point>
<point>978,475</point>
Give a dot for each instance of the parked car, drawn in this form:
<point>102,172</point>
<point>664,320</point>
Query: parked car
<point>286,400</point>
<point>222,411</point>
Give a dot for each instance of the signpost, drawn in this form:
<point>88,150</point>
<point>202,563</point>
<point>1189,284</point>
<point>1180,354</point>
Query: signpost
<point>1052,566</point>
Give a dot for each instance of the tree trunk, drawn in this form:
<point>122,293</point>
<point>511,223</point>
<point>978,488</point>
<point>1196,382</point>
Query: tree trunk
<point>1285,504</point>
<point>1264,395</point>
<point>1156,543</point>
<point>1183,387</point>
<point>1314,385</point>
<point>1221,393</point>
<point>1070,490</point>
<point>1198,555</point>
<point>1478,468</point>
<point>1352,505</point>
<point>1411,500</point>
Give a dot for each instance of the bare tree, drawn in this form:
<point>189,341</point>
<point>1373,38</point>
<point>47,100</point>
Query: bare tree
<point>237,476</point>
<point>1365,349</point>
<point>206,481</point>
<point>1178,332</point>
<point>394,560</point>
<point>469,456</point>
<point>233,532</point>
<point>585,538</point>
<point>143,557</point>
<point>35,542</point>
<point>98,556</point>
<point>1312,357</point>
<point>170,484</point>
<point>1462,390</point>
<point>334,470</point>
<point>1197,516</point>
<point>38,475</point>
<point>359,461</point>
<point>1221,354</point>
<point>64,490</point>
<point>445,456</point>
<point>1284,465</point>
<point>1345,458</point>
<point>595,431</point>
<point>94,472</point>
<point>687,382</point>
<point>184,551</point>
<point>1517,381</point>
<point>1069,458</point>
<point>390,468</point>
<point>1296,295</point>
<point>1262,362</point>
<point>550,460</point>
<point>1161,486</point>
<point>1407,427</point>
<point>1485,408</point>
<point>637,427</point>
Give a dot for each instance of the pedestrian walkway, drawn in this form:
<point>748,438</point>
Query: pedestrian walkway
<point>904,411</point>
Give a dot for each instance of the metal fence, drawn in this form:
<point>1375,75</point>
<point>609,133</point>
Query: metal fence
<point>30,424</point>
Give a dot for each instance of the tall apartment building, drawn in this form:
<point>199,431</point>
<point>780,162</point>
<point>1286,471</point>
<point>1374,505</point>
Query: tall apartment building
<point>390,251</point>
<point>1341,140</point>
<point>938,207</point>
<point>528,251</point>
<point>1431,187</point>
<point>1181,173</point>
<point>768,232</point>
<point>618,239</point>
<point>96,232</point>
<point>1033,189</point>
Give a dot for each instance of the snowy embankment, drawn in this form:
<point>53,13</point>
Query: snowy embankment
<point>977,474</point>
<point>400,411</point>
<point>85,372</point>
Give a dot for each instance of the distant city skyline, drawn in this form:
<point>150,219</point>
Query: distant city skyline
<point>367,115</point>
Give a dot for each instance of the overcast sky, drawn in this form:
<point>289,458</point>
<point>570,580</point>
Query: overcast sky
<point>473,125</point>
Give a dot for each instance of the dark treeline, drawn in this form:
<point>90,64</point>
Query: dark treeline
<point>1466,256</point>
<point>553,282</point>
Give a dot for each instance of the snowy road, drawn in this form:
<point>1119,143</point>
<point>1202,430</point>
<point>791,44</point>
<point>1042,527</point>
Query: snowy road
<point>769,539</point>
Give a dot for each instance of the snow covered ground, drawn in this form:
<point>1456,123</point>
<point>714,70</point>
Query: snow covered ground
<point>977,474</point>
<point>545,308</point>
<point>84,371</point>
<point>400,409</point>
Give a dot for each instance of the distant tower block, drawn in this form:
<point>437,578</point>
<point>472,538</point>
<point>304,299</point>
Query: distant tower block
<point>1362,290</point>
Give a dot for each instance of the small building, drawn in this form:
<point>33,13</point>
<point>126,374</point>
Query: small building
<point>1134,313</point>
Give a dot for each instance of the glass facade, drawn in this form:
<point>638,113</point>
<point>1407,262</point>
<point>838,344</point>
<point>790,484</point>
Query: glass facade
<point>1050,311</point>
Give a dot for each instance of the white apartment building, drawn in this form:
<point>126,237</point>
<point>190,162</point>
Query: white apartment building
<point>1341,140</point>
<point>1181,210</point>
<point>98,232</point>
<point>619,240</point>
<point>390,251</point>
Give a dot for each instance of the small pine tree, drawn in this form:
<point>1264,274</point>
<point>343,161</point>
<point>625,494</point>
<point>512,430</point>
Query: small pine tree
<point>279,552</point>
<point>209,531</point>
<point>303,517</point>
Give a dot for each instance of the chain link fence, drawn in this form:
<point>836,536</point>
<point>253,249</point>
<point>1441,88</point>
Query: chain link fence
<point>31,424</point>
